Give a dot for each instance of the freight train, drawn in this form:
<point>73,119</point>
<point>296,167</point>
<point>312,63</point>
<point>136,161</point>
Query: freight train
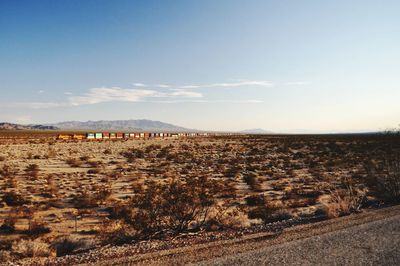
<point>126,136</point>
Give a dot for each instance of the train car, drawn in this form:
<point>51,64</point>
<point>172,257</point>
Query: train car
<point>79,136</point>
<point>120,135</point>
<point>98,135</point>
<point>106,135</point>
<point>113,136</point>
<point>64,136</point>
<point>90,136</point>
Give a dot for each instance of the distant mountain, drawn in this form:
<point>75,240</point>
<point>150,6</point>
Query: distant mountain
<point>141,124</point>
<point>255,131</point>
<point>11,126</point>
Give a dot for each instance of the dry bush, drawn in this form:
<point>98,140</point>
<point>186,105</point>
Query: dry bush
<point>343,200</point>
<point>2,158</point>
<point>38,227</point>
<point>32,171</point>
<point>383,178</point>
<point>12,198</point>
<point>269,214</point>
<point>255,200</point>
<point>73,162</point>
<point>70,245</point>
<point>84,199</point>
<point>107,152</point>
<point>5,255</point>
<point>31,248</point>
<point>51,153</point>
<point>221,218</point>
<point>173,206</point>
<point>9,222</point>
<point>115,232</point>
<point>252,180</point>
<point>8,174</point>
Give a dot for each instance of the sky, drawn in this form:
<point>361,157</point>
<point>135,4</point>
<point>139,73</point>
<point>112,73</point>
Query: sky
<point>284,66</point>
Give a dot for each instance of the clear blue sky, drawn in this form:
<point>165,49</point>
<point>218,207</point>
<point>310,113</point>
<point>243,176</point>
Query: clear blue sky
<point>282,65</point>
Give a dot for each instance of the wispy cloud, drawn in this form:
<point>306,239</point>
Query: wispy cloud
<point>117,94</point>
<point>241,83</point>
<point>297,83</point>
<point>236,83</point>
<point>112,94</point>
<point>156,93</point>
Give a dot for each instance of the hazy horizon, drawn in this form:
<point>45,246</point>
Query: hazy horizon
<point>283,66</point>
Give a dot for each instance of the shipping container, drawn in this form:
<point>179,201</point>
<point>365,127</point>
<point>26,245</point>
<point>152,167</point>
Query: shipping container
<point>90,135</point>
<point>78,136</point>
<point>113,136</point>
<point>62,136</point>
<point>132,135</point>
<point>106,135</point>
<point>98,135</point>
<point>120,135</point>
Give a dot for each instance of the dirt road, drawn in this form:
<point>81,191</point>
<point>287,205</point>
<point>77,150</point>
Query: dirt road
<point>374,243</point>
<point>369,238</point>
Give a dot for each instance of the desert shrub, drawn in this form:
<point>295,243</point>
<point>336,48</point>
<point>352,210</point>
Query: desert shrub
<point>38,227</point>
<point>5,253</point>
<point>119,211</point>
<point>12,198</point>
<point>221,218</point>
<point>30,248</point>
<point>343,200</point>
<point>8,171</point>
<point>253,182</point>
<point>32,171</point>
<point>8,174</point>
<point>133,154</point>
<point>173,206</point>
<point>84,199</point>
<point>107,151</point>
<point>84,158</point>
<point>255,200</point>
<point>269,213</point>
<point>73,162</point>
<point>2,158</point>
<point>102,192</point>
<point>115,232</point>
<point>51,153</point>
<point>9,222</point>
<point>383,178</point>
<point>70,245</point>
<point>93,171</point>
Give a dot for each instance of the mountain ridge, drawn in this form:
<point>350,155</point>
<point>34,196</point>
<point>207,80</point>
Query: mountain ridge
<point>130,124</point>
<point>13,126</point>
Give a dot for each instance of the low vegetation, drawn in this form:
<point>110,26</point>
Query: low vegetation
<point>56,196</point>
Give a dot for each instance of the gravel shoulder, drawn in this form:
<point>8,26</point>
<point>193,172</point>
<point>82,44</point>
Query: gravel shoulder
<point>371,237</point>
